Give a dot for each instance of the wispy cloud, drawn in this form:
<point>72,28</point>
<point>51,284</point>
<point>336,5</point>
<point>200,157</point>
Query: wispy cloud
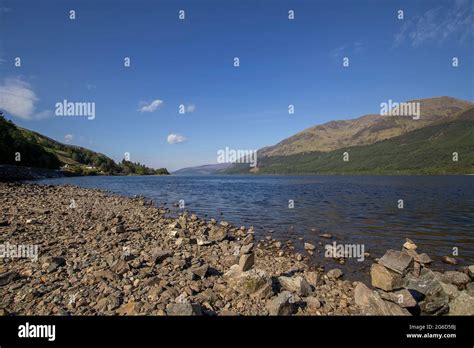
<point>437,25</point>
<point>68,138</point>
<point>176,139</point>
<point>347,49</point>
<point>18,98</point>
<point>150,107</point>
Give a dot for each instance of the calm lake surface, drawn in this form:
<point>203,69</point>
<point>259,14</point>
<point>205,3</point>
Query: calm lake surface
<point>438,212</point>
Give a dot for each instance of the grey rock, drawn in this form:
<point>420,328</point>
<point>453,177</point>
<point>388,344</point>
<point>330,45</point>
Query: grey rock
<point>246,262</point>
<point>384,278</point>
<point>462,305</point>
<point>217,234</point>
<point>450,290</point>
<point>246,249</point>
<point>335,273</point>
<point>157,255</point>
<point>449,260</point>
<point>396,261</point>
<point>183,309</point>
<point>297,285</point>
<point>200,271</point>
<point>55,263</point>
<point>281,304</point>
<point>457,278</point>
<point>118,229</point>
<point>8,277</point>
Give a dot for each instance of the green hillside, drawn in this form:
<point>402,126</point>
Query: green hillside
<point>39,151</point>
<point>427,150</point>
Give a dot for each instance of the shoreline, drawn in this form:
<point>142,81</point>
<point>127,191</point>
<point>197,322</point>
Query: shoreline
<point>101,253</point>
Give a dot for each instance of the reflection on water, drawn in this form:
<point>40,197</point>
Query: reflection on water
<point>438,211</point>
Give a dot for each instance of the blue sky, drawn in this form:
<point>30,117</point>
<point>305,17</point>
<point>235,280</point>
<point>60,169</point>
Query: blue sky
<point>190,62</point>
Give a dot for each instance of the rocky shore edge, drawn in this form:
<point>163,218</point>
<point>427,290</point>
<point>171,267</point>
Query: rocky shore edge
<point>9,173</point>
<point>102,254</point>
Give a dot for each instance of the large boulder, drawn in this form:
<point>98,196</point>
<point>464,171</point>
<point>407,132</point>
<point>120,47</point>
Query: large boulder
<point>457,278</point>
<point>371,303</point>
<point>462,305</point>
<point>435,300</point>
<point>384,278</point>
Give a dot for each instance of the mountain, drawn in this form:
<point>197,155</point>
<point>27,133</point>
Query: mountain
<point>207,169</point>
<point>22,147</point>
<point>367,129</point>
<point>424,150</point>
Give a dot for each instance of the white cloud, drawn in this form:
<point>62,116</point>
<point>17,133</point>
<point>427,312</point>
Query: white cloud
<point>155,104</point>
<point>190,108</point>
<point>437,24</point>
<point>68,138</point>
<point>176,139</point>
<point>18,99</point>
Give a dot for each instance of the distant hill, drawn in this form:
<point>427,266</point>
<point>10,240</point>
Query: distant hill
<point>428,150</point>
<point>367,129</point>
<point>37,150</point>
<point>369,139</point>
<point>207,169</point>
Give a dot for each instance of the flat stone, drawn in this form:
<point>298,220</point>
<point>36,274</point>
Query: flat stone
<point>247,282</point>
<point>246,249</point>
<point>424,259</point>
<point>470,270</point>
<point>200,271</point>
<point>312,278</point>
<point>55,263</point>
<point>396,261</point>
<point>183,309</point>
<point>309,246</point>
<point>384,278</point>
<point>217,234</point>
<point>312,303</point>
<point>403,298</point>
<point>8,277</point>
<point>409,245</point>
<point>129,308</point>
<point>157,255</point>
<point>281,305</point>
<point>449,260</point>
<point>372,304</point>
<point>362,294</point>
<point>246,262</point>
<point>335,273</point>
<point>297,285</point>
<point>118,229</point>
